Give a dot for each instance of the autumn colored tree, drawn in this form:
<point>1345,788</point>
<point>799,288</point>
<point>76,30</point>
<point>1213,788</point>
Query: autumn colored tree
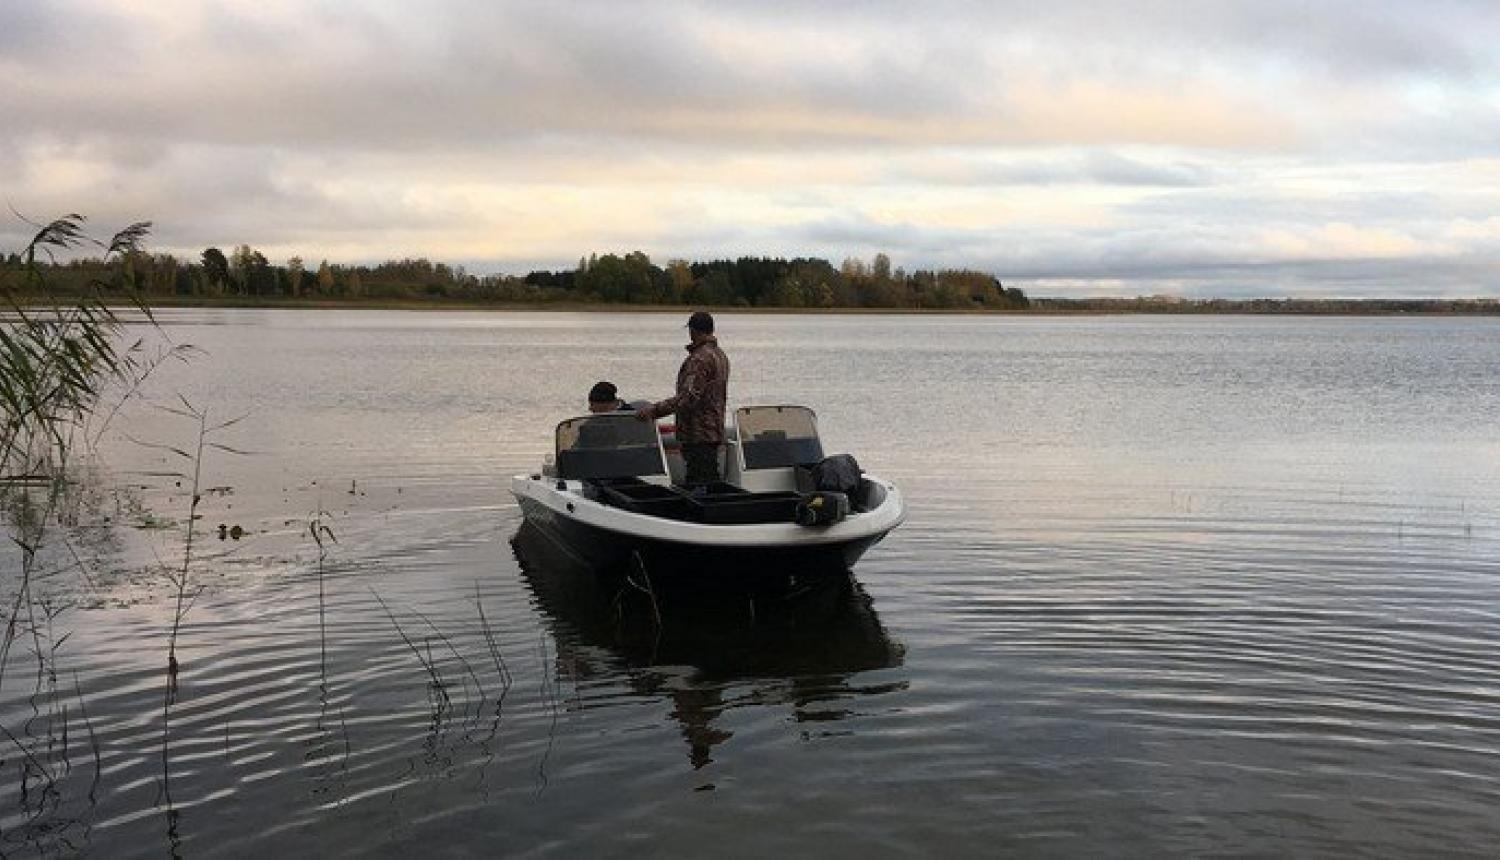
<point>325,280</point>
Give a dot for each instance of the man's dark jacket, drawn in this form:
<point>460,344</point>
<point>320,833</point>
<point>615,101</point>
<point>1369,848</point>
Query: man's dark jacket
<point>702,390</point>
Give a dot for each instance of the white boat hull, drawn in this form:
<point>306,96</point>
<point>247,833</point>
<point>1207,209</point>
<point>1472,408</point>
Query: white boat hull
<point>604,536</point>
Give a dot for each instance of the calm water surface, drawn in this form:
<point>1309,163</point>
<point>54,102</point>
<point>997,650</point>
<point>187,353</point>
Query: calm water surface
<point>1168,586</point>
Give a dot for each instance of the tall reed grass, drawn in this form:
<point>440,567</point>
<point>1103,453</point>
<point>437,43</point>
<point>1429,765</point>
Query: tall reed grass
<point>58,354</point>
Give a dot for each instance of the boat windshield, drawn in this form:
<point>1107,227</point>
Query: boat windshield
<point>608,445</point>
<point>777,436</point>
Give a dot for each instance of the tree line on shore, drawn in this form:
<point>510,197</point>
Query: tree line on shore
<point>632,278</point>
<point>246,276</point>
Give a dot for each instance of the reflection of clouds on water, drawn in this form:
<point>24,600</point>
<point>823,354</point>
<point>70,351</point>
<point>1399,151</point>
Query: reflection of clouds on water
<point>715,648</point>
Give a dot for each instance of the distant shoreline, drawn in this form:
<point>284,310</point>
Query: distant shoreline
<point>1040,307</point>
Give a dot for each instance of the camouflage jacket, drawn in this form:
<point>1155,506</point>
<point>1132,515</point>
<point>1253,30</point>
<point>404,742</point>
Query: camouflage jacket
<point>702,389</point>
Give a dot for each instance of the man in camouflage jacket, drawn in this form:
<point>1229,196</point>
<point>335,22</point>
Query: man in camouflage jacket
<point>702,389</point>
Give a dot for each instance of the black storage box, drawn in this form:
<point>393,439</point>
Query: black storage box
<point>744,507</point>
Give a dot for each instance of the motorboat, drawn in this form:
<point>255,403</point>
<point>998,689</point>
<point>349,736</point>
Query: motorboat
<point>611,496</point>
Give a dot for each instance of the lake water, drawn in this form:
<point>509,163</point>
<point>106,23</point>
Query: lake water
<point>1167,586</point>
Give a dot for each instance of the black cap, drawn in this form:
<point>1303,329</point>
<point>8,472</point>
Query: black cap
<point>603,392</point>
<point>701,321</point>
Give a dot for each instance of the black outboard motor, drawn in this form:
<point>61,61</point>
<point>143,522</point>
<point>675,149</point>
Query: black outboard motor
<point>822,508</point>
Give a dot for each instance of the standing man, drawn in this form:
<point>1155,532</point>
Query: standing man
<point>702,389</point>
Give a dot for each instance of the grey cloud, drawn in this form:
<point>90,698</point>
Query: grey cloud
<point>1362,37</point>
<point>862,236</point>
<point>452,80</point>
<point>1240,208</point>
<point>462,74</point>
<point>1098,167</point>
<point>28,29</point>
<point>1108,168</point>
<point>202,196</point>
<point>1339,37</point>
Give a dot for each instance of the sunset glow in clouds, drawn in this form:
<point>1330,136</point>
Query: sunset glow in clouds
<point>1330,148</point>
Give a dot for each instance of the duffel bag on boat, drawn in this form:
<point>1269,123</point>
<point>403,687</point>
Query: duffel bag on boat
<point>839,473</point>
<point>822,508</point>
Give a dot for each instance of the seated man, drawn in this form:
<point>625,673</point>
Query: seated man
<point>604,397</point>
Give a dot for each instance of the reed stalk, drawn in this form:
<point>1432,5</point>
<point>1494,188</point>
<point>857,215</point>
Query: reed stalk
<point>439,687</point>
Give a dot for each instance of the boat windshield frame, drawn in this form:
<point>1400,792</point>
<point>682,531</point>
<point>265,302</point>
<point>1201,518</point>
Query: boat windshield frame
<point>798,445</point>
<point>619,447</point>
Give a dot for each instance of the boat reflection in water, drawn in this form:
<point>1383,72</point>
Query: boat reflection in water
<point>795,642</point>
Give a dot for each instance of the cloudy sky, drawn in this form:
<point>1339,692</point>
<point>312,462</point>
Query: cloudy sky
<point>1320,147</point>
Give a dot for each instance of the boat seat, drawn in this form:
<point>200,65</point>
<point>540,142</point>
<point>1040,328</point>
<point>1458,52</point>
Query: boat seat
<point>772,449</point>
<point>624,462</point>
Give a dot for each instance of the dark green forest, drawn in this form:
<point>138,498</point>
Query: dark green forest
<point>632,278</point>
